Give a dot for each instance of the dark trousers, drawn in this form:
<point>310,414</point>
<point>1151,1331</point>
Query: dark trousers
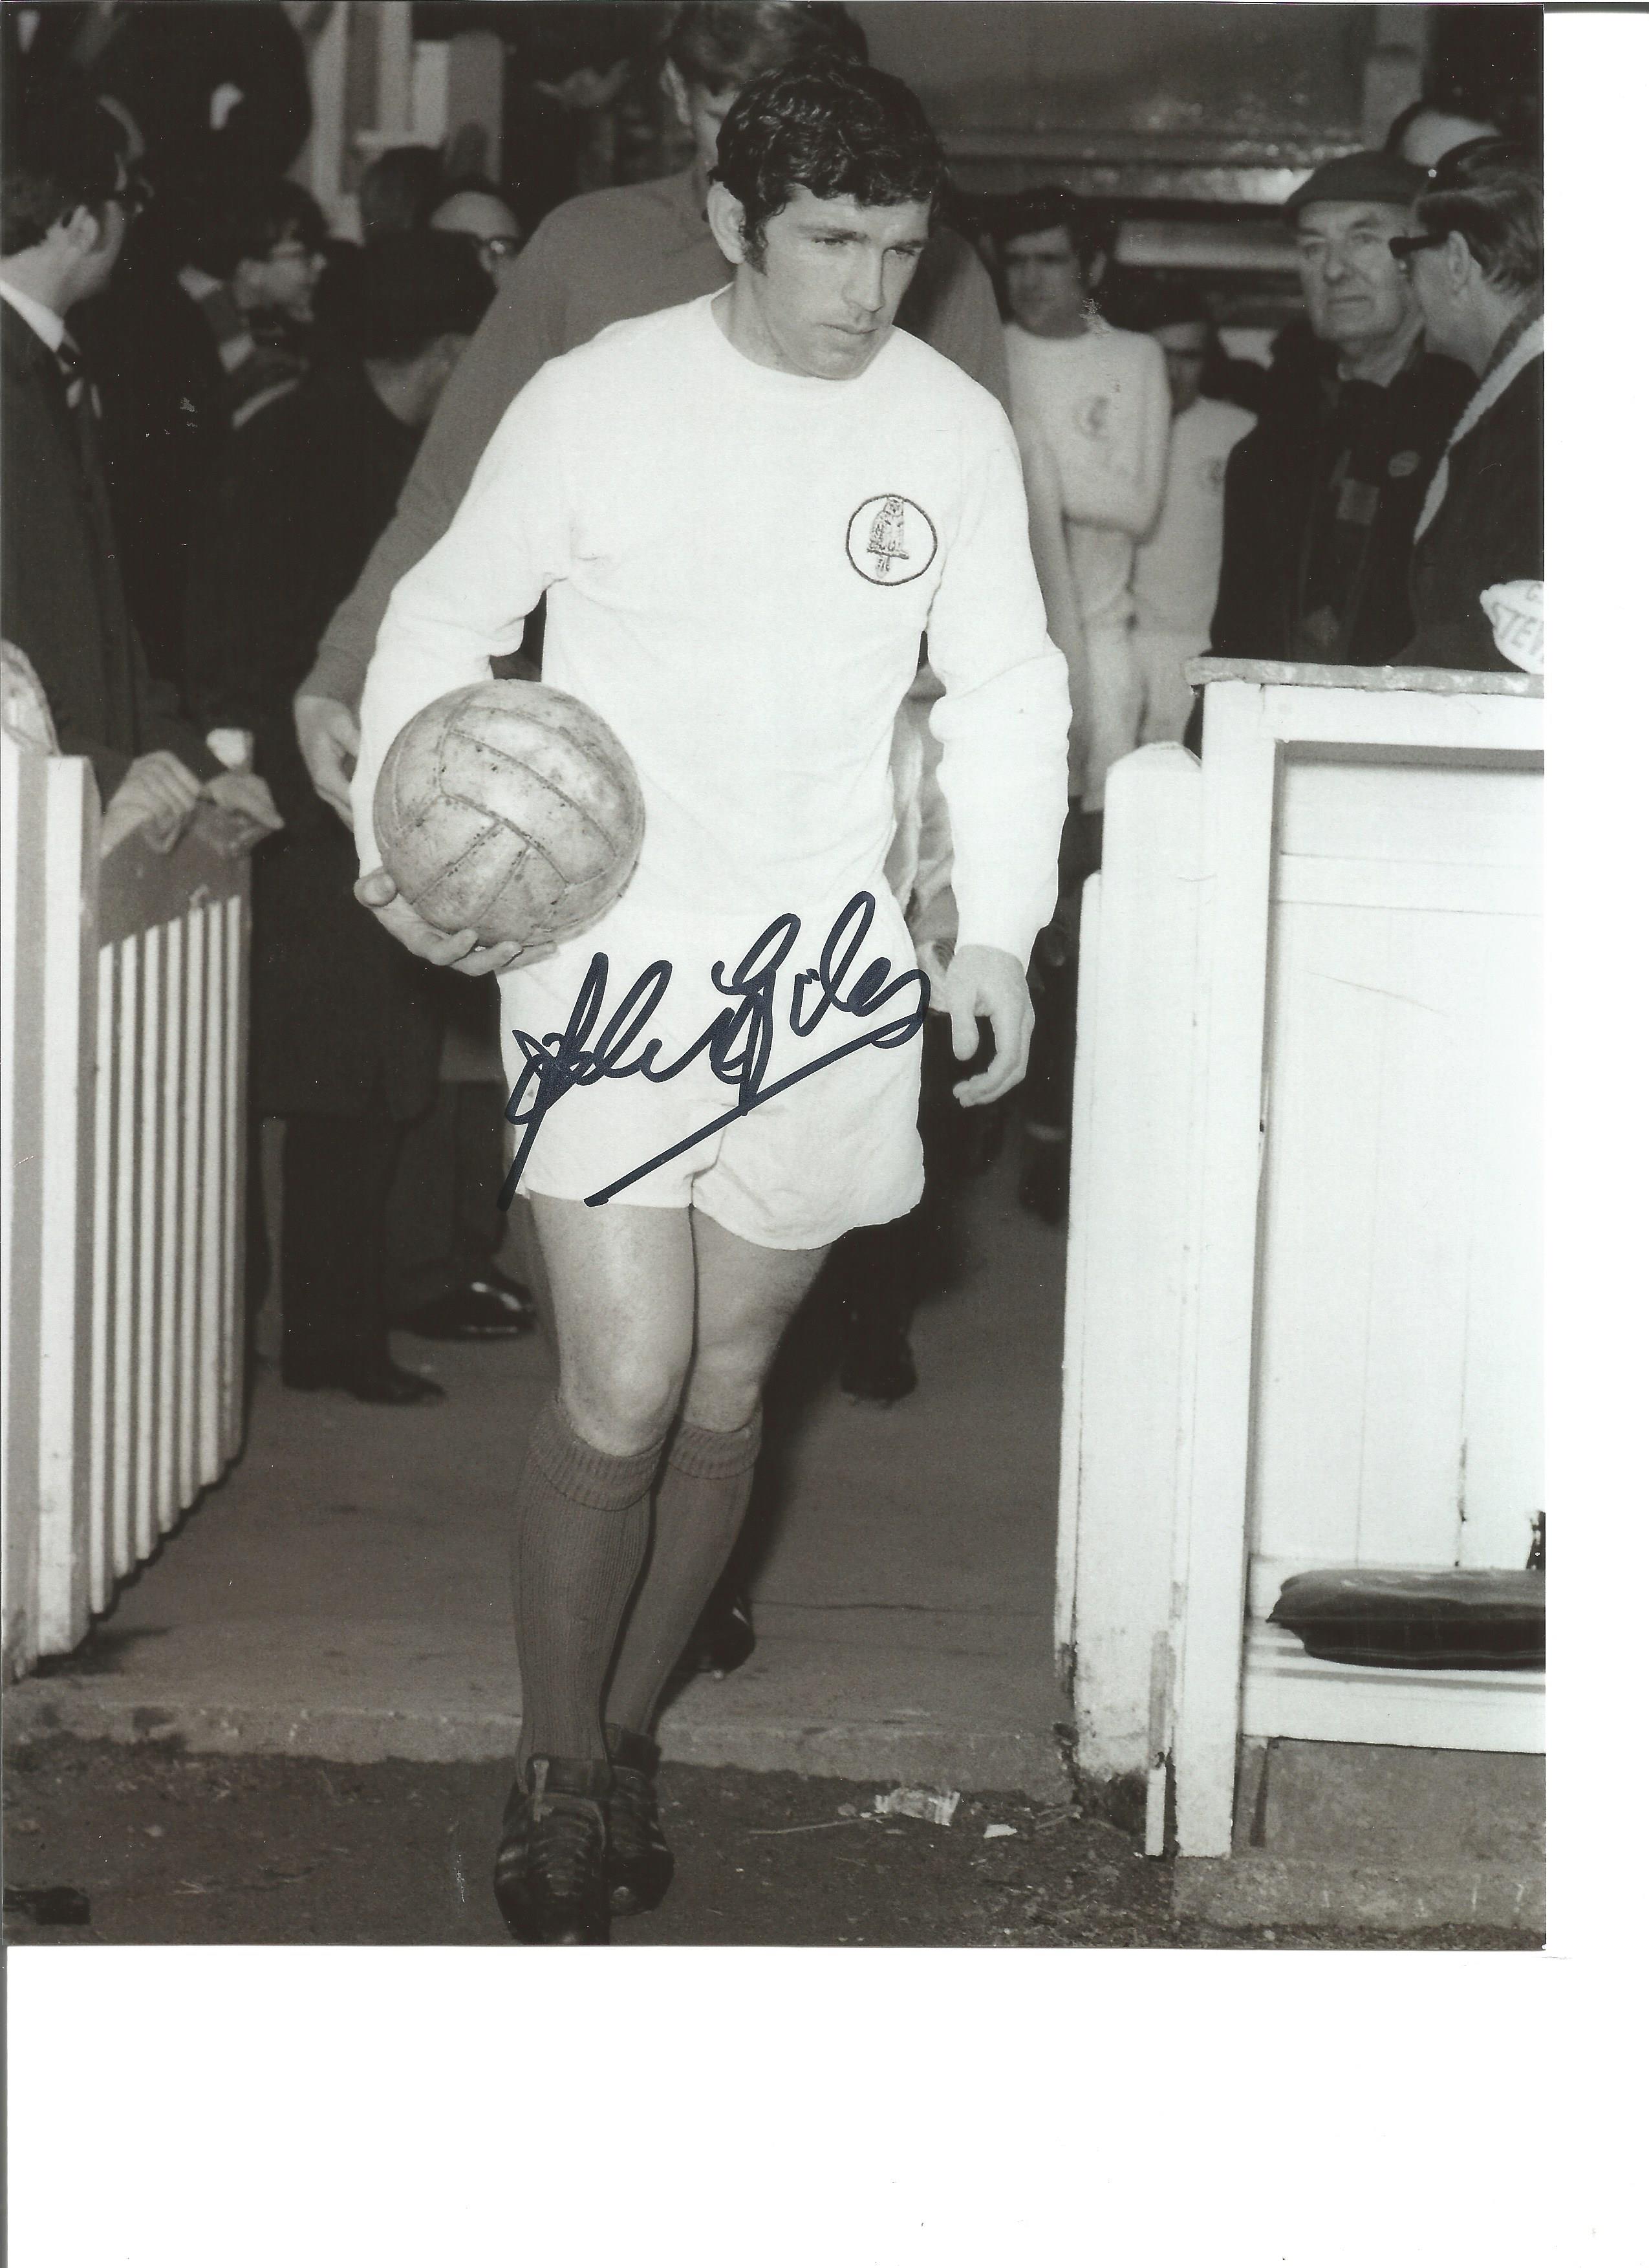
<point>878,1271</point>
<point>1050,1072</point>
<point>444,1225</point>
<point>334,1179</point>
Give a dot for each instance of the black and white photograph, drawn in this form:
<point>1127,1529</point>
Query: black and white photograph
<point>773,981</point>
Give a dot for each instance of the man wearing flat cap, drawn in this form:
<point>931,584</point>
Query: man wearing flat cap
<point>1322,497</point>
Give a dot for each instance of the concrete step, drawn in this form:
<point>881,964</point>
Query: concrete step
<point>1338,1832</point>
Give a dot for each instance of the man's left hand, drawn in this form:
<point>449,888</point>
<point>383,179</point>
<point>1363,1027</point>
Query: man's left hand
<point>982,980</point>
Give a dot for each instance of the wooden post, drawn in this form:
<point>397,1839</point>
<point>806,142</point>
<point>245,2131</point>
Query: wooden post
<point>1126,1279</point>
<point>1239,764</point>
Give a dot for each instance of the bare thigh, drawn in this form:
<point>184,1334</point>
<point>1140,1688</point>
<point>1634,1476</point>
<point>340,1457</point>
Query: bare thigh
<point>651,1303</point>
<point>621,1281</point>
<point>746,1293</point>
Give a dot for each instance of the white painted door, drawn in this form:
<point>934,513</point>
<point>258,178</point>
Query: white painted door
<point>1397,1407</point>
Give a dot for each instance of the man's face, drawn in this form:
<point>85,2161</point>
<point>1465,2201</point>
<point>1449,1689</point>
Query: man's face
<point>283,280</point>
<point>1185,346</point>
<point>1439,306</point>
<point>489,223</point>
<point>827,283</point>
<point>100,262</point>
<point>1356,295</point>
<point>700,112</point>
<point>1047,293</point>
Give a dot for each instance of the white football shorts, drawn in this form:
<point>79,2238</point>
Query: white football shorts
<point>648,1086</point>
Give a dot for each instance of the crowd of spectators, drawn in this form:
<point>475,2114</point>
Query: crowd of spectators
<point>210,406</point>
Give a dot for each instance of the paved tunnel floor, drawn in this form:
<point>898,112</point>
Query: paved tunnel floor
<point>342,1594</point>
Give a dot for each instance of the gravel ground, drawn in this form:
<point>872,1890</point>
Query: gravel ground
<point>173,1848</point>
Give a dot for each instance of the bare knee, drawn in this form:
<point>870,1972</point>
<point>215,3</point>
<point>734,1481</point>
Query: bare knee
<point>724,1388</point>
<point>625,1404</point>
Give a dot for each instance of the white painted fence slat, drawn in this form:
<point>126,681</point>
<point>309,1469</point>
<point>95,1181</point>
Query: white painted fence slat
<point>67,1070</point>
<point>100,1515</point>
<point>193,1104</point>
<point>22,1034</point>
<point>143,1525</point>
<point>171,942</point>
<point>124,1222</point>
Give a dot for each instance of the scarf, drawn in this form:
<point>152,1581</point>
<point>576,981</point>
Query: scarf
<point>1521,343</point>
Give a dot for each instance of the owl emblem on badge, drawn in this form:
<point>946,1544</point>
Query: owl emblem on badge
<point>890,541</point>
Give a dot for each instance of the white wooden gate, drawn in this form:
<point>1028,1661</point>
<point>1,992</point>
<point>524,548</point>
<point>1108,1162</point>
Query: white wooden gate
<point>125,1018</point>
<point>1303,1299</point>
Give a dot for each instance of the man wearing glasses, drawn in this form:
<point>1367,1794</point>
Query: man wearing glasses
<point>1322,499</point>
<point>475,210</point>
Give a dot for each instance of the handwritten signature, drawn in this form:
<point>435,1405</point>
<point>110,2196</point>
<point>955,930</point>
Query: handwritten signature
<point>737,1043</point>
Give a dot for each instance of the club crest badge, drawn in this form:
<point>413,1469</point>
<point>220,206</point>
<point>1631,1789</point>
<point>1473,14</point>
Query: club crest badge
<point>890,539</point>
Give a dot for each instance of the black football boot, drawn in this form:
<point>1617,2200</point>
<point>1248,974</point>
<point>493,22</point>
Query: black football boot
<point>550,1876</point>
<point>638,1862</point>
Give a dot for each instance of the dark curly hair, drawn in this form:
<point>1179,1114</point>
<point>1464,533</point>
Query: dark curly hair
<point>245,220</point>
<point>1033,211</point>
<point>833,126</point>
<point>1493,192</point>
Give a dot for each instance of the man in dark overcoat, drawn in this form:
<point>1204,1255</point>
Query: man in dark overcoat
<point>346,1033</point>
<point>1478,263</point>
<point>1322,497</point>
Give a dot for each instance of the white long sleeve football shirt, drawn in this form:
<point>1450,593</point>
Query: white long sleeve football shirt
<point>740,565</point>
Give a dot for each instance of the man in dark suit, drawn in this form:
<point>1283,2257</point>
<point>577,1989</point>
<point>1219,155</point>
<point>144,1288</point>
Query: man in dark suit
<point>346,1024</point>
<point>64,202</point>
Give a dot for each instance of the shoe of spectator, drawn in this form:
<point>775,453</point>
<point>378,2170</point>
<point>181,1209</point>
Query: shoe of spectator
<point>480,1310</point>
<point>550,1876</point>
<point>372,1381</point>
<point>495,1280</point>
<point>1045,1179</point>
<point>725,1638</point>
<point>877,1363</point>
<point>638,1862</point>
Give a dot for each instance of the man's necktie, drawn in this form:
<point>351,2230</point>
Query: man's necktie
<point>74,371</point>
<point>81,396</point>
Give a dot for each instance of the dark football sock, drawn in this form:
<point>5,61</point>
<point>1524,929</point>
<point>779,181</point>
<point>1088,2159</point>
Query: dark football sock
<point>581,1536</point>
<point>703,1493</point>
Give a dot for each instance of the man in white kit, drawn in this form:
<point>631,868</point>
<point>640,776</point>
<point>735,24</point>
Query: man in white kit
<point>1092,401</point>
<point>744,513</point>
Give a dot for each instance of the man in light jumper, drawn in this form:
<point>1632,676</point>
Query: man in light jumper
<point>1095,401</point>
<point>745,514</point>
<point>1176,567</point>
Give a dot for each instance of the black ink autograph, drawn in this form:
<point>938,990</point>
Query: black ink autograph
<point>737,1043</point>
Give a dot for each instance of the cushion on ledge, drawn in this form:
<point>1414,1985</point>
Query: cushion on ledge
<point>1461,1618</point>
